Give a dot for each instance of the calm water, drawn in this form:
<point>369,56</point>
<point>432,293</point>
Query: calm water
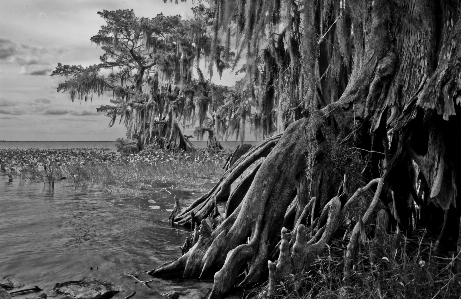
<point>56,235</point>
<point>94,144</point>
<point>49,236</point>
<point>57,144</point>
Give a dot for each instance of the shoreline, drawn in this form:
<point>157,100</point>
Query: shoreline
<point>137,177</point>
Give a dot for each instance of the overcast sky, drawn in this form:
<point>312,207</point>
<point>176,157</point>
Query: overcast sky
<point>37,34</point>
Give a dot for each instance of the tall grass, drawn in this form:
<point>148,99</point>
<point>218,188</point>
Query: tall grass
<point>111,172</point>
<point>140,176</point>
<point>407,269</point>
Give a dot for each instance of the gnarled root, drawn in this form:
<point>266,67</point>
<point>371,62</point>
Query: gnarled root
<point>186,265</point>
<point>353,242</point>
<point>291,264</point>
<point>226,252</point>
<point>203,206</point>
<point>237,251</point>
<point>236,154</point>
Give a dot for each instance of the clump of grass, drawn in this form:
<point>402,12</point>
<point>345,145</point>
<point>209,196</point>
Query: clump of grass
<point>406,270</point>
<point>187,172</point>
<point>49,164</point>
<point>127,146</point>
<point>112,172</point>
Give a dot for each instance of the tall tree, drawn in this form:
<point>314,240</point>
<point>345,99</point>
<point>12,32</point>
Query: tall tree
<point>371,89</point>
<point>148,65</point>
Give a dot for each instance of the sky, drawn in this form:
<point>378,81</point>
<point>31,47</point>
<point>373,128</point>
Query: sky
<point>36,35</point>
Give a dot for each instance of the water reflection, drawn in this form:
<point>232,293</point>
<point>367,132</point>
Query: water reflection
<point>48,189</point>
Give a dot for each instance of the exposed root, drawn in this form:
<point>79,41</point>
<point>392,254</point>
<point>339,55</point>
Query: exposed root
<point>224,251</point>
<point>203,206</point>
<point>186,246</point>
<point>304,251</point>
<point>236,154</point>
<point>225,278</point>
<point>308,210</point>
<point>359,191</point>
<point>239,193</point>
<point>290,265</point>
<point>352,246</point>
<point>176,210</point>
<point>272,279</point>
<point>195,261</point>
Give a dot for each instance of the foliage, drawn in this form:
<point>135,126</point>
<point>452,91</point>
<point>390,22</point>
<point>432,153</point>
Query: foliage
<point>141,173</point>
<point>148,65</point>
<point>114,172</point>
<point>284,72</point>
<point>126,147</point>
<point>407,270</point>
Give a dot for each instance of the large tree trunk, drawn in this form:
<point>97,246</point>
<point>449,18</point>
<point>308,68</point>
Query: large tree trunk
<point>399,109</point>
<point>168,134</point>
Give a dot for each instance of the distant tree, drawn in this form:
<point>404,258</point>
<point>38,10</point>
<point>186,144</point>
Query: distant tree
<point>148,66</point>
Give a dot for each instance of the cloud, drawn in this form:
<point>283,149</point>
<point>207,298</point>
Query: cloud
<point>11,111</point>
<point>7,49</point>
<point>43,106</point>
<point>7,103</point>
<point>34,60</point>
<point>43,15</point>
<point>44,72</point>
<point>38,105</point>
<point>19,108</point>
<point>85,113</point>
<point>79,120</point>
<point>41,101</point>
<point>36,70</point>
<point>56,111</point>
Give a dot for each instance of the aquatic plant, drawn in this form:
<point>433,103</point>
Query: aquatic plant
<point>113,172</point>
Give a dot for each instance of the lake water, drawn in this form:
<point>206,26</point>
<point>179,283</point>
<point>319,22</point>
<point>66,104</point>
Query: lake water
<point>56,235</point>
<point>94,144</point>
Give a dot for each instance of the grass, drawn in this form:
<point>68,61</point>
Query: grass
<point>131,174</point>
<point>187,173</point>
<point>406,271</point>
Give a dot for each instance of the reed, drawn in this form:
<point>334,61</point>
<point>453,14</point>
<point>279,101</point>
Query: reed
<point>112,172</point>
<point>137,174</point>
